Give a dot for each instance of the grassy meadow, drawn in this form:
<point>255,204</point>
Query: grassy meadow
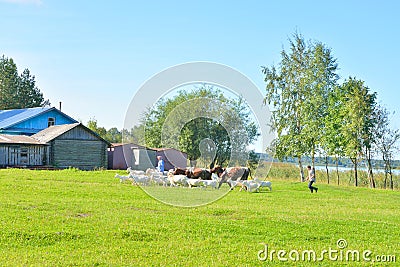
<point>78,218</point>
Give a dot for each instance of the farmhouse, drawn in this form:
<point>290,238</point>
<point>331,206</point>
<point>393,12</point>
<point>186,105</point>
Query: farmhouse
<point>45,136</point>
<point>74,145</point>
<point>30,121</point>
<point>122,156</point>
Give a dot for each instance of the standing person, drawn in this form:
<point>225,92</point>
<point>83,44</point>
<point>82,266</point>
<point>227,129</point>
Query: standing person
<point>160,164</point>
<point>311,179</point>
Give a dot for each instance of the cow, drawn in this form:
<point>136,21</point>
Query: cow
<point>233,174</point>
<point>204,174</point>
<point>179,171</point>
<point>217,170</point>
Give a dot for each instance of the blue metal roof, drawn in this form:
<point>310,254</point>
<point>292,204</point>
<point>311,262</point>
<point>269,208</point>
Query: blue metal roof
<point>12,117</point>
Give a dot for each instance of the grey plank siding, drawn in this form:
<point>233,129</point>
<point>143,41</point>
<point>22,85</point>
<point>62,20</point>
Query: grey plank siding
<point>78,133</point>
<point>3,156</point>
<point>23,155</point>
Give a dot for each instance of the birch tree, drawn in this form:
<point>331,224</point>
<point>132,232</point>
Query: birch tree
<point>297,91</point>
<point>386,142</point>
<point>334,141</point>
<point>358,106</point>
<point>322,79</point>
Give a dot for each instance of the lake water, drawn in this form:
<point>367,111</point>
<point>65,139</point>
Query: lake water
<point>343,169</point>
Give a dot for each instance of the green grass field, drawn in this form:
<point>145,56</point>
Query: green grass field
<point>77,218</point>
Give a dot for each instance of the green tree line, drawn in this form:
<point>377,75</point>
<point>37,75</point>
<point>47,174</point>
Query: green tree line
<point>112,135</point>
<point>18,90</point>
<point>313,113</point>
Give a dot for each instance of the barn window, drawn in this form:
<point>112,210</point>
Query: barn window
<point>51,121</point>
<point>24,152</point>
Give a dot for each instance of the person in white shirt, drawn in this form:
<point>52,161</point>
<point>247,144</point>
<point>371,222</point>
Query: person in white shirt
<point>311,179</point>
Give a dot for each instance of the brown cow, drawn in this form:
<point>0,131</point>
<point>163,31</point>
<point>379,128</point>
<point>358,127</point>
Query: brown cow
<point>179,171</point>
<point>204,174</point>
<point>198,173</point>
<point>234,174</point>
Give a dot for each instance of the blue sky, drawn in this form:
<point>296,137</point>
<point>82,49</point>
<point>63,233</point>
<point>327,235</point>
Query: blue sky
<point>94,55</point>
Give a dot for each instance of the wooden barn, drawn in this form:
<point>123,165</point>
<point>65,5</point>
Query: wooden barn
<point>74,145</point>
<point>20,150</point>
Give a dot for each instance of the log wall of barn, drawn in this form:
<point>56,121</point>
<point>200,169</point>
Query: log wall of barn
<point>80,149</point>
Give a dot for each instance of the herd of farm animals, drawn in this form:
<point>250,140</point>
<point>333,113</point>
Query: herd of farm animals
<point>197,177</point>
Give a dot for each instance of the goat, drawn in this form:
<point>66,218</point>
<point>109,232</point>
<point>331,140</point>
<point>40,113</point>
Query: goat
<point>238,183</point>
<point>150,172</point>
<point>159,180</point>
<point>176,180</point>
<point>122,178</point>
<point>194,182</point>
<point>251,185</point>
<point>140,179</point>
<point>263,184</point>
<point>134,172</point>
<point>210,183</point>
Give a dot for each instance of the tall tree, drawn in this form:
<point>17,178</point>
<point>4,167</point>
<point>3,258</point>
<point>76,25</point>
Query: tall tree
<point>287,92</point>
<point>297,91</point>
<point>369,133</point>
<point>386,140</point>
<point>322,79</point>
<point>221,133</point>
<point>358,106</point>
<point>333,138</point>
<point>18,91</point>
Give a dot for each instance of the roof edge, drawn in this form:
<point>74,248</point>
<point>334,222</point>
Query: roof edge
<point>44,111</point>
